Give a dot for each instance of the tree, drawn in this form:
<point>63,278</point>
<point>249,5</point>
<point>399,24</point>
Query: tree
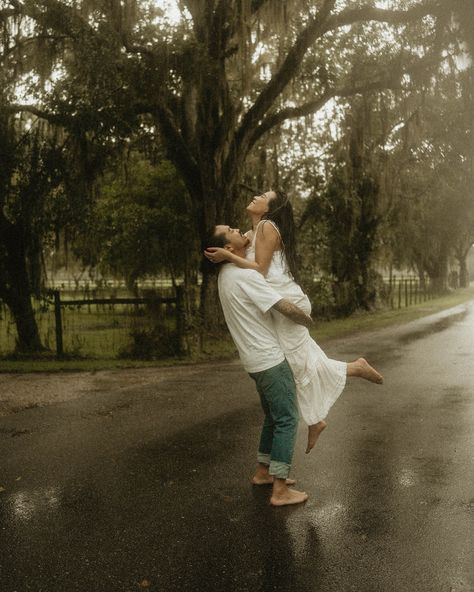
<point>435,202</point>
<point>28,178</point>
<point>140,224</point>
<point>216,83</point>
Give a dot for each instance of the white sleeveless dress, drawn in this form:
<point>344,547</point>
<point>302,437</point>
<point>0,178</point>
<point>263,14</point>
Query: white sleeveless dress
<point>319,379</point>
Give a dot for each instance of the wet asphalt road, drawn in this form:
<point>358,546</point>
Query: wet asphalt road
<point>146,488</point>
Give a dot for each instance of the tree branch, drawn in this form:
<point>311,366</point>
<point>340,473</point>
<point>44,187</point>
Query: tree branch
<point>251,127</point>
<point>282,77</point>
<point>256,5</point>
<point>7,12</point>
<point>27,40</point>
<point>178,148</point>
<point>56,15</point>
<point>392,17</point>
<point>275,119</point>
<point>388,79</point>
<point>47,115</point>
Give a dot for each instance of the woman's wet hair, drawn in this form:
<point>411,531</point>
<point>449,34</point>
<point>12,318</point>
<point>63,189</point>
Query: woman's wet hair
<point>280,211</point>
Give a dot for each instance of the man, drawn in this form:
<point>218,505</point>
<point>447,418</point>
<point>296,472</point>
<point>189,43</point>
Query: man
<point>246,300</point>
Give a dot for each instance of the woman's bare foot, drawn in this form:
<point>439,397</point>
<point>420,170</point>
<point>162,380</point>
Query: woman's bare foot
<point>288,497</point>
<point>363,369</point>
<point>314,431</point>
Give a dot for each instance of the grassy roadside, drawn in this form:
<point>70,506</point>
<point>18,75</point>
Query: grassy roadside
<point>223,348</point>
<point>371,321</point>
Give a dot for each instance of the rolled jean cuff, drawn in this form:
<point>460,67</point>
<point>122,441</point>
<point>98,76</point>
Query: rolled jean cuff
<point>263,458</point>
<point>279,469</point>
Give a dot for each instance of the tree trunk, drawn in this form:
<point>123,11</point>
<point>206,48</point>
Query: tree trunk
<point>17,293</point>
<point>219,209</point>
<point>463,273</point>
<point>212,319</point>
<point>27,329</point>
<point>438,274</point>
<point>420,270</point>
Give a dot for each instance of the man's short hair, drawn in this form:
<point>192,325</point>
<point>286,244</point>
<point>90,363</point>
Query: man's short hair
<point>216,239</point>
<point>213,240</point>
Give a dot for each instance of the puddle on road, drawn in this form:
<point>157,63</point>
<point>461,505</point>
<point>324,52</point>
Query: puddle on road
<point>436,327</point>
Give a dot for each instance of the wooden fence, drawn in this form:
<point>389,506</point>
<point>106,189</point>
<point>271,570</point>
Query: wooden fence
<point>110,323</point>
<point>60,303</point>
<point>405,291</point>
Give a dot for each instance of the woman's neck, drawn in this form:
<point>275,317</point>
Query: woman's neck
<point>255,218</point>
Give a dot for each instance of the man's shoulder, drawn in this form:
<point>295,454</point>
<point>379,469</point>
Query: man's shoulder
<point>229,270</point>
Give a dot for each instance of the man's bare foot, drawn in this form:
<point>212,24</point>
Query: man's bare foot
<point>262,477</point>
<point>257,480</point>
<point>314,431</point>
<point>363,369</point>
<point>288,497</point>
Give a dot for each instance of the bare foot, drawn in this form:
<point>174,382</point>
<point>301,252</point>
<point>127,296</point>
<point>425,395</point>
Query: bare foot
<point>314,431</point>
<point>288,497</point>
<point>363,369</point>
<point>268,480</point>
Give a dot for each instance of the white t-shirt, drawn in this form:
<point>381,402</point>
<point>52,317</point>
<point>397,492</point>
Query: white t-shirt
<point>246,299</point>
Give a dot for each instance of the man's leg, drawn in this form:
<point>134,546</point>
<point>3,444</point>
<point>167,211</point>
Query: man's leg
<point>278,394</point>
<point>262,474</point>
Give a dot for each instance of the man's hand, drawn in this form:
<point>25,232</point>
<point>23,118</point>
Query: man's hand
<point>293,312</point>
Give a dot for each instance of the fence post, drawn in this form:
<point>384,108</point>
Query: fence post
<point>400,280</point>
<point>59,324</point>
<point>180,318</point>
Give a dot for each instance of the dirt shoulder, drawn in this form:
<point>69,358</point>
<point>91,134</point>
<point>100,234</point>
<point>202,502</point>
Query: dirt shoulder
<point>28,390</point>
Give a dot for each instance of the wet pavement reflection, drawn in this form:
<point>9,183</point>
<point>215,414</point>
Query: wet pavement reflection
<point>147,489</point>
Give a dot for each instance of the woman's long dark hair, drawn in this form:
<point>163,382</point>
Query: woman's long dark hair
<point>280,211</point>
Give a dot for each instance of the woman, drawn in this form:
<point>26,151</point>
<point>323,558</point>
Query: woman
<point>319,380</point>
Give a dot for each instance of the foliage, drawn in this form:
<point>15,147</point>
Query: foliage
<point>141,224</point>
<point>435,201</point>
<point>231,84</point>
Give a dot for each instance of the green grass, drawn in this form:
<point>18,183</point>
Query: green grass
<point>89,365</point>
<point>100,334</point>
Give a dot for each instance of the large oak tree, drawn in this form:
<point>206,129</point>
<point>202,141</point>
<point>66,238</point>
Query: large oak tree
<point>214,83</point>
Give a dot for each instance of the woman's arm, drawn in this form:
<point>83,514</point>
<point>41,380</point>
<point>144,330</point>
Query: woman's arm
<point>218,254</point>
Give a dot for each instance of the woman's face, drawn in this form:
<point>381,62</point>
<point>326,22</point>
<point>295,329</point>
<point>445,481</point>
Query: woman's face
<point>259,204</point>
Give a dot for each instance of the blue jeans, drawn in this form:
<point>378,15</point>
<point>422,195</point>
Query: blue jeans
<point>277,391</point>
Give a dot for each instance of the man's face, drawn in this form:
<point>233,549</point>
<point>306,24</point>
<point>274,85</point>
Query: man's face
<point>233,237</point>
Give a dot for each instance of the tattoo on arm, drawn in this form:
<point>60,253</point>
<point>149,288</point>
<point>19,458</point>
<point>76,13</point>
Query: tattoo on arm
<point>293,312</point>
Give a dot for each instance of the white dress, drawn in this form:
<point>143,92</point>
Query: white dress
<point>319,379</point>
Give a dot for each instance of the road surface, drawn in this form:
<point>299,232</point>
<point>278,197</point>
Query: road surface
<point>145,487</point>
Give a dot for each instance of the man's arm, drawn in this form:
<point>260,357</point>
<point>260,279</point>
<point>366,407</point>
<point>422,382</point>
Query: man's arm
<point>293,312</point>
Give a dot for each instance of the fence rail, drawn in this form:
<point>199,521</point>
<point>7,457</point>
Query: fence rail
<point>107,284</point>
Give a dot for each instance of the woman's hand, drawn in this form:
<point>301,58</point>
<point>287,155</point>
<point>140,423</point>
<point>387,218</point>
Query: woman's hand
<point>217,254</point>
